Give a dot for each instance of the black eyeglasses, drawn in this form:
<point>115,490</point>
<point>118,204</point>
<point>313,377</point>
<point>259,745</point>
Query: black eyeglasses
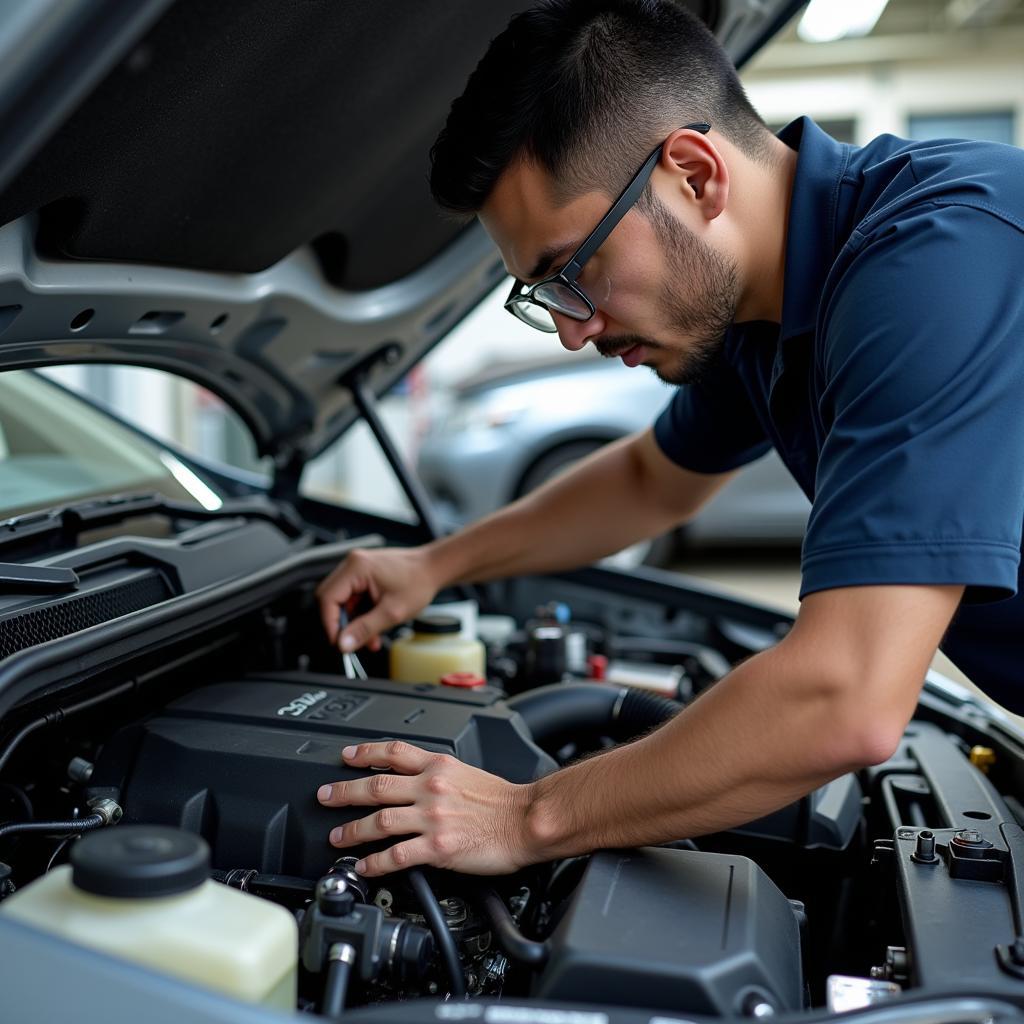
<point>560,293</point>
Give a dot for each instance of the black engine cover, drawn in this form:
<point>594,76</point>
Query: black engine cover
<point>677,930</point>
<point>240,762</point>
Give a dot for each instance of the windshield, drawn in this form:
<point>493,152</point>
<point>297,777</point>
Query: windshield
<point>54,448</point>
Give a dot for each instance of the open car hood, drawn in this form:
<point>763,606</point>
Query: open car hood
<point>237,192</point>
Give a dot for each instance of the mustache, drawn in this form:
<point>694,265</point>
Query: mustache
<point>612,348</point>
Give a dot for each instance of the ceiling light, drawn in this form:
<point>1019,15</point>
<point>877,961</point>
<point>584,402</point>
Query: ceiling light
<point>828,20</point>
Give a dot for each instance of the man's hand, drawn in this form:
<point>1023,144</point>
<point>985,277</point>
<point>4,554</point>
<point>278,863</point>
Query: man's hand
<point>399,581</point>
<point>461,818</point>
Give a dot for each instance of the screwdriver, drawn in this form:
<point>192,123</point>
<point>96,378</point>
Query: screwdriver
<point>349,662</point>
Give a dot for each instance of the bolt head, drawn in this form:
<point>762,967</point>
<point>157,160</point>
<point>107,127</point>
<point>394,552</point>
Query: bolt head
<point>334,897</point>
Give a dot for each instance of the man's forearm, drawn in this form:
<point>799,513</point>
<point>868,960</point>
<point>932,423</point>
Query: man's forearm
<point>834,695</point>
<point>752,744</point>
<point>600,506</point>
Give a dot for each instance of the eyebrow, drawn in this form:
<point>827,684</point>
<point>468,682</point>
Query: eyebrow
<point>548,257</point>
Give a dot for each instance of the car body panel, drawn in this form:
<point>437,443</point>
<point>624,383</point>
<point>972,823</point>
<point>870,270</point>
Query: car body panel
<point>479,454</point>
<point>374,270</point>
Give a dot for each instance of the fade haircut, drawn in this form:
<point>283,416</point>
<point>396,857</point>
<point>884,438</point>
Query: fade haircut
<point>585,89</point>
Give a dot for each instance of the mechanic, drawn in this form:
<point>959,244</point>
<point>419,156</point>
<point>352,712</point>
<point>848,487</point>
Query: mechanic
<point>859,309</point>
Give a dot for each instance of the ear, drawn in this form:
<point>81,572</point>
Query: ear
<point>699,170</point>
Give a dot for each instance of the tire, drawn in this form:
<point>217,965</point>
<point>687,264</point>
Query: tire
<point>659,551</point>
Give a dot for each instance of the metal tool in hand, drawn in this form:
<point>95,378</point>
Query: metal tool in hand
<point>349,662</point>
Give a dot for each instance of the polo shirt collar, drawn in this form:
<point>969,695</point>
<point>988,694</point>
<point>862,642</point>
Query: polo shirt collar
<point>811,246</point>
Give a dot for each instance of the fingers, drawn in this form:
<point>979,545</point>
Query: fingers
<point>367,628</point>
<point>386,823</point>
<point>437,811</point>
<point>332,593</point>
<point>349,581</point>
<point>396,858</point>
<point>402,757</point>
<point>369,792</point>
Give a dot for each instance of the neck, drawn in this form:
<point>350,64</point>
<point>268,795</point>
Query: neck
<point>763,217</point>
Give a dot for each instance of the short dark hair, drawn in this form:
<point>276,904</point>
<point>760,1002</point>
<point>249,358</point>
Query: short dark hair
<point>572,78</point>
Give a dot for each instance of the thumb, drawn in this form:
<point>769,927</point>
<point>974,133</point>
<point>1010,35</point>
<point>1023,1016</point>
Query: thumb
<point>331,603</point>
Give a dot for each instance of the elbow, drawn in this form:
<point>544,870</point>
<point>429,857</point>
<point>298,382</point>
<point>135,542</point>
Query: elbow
<point>870,732</point>
<point>877,741</point>
<point>859,724</point>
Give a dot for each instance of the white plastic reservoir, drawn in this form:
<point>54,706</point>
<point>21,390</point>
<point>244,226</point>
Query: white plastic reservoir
<point>435,648</point>
<point>143,893</point>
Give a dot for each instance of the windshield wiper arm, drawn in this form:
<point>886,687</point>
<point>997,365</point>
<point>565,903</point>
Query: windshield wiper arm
<point>67,521</point>
<point>64,524</point>
<point>37,579</point>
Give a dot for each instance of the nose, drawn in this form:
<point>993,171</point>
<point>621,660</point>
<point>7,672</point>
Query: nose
<point>574,334</point>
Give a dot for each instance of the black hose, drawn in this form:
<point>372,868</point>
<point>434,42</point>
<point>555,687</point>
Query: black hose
<point>56,716</point>
<point>442,934</point>
<point>340,959</point>
<point>15,741</point>
<point>285,889</point>
<point>640,711</point>
<point>509,937</point>
<point>57,828</point>
<point>566,876</point>
<point>574,712</point>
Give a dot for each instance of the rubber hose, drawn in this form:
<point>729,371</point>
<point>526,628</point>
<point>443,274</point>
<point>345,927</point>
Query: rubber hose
<point>509,937</point>
<point>442,934</point>
<point>339,970</point>
<point>641,711</point>
<point>568,712</point>
<point>60,828</point>
<point>15,741</point>
<point>58,715</point>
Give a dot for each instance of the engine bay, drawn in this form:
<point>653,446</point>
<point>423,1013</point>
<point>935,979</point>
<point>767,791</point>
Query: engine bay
<point>226,708</point>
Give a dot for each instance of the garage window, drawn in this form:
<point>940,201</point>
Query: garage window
<point>985,126</point>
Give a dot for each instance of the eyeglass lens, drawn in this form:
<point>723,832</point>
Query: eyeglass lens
<point>536,316</point>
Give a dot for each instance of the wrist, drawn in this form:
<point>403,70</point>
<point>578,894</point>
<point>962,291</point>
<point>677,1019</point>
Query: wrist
<point>442,565</point>
<point>543,825</point>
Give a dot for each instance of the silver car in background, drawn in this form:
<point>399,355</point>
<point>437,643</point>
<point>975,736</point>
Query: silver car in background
<point>510,428</point>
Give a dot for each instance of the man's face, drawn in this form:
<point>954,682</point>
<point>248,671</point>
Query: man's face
<point>664,296</point>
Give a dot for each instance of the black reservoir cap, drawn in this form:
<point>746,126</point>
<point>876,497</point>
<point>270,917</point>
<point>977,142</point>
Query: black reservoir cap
<point>437,624</point>
<point>132,861</point>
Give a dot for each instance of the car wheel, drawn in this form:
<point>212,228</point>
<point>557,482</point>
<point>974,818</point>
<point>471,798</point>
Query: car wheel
<point>658,551</point>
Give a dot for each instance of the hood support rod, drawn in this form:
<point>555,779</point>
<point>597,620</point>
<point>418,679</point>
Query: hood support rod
<point>366,402</point>
<point>355,380</point>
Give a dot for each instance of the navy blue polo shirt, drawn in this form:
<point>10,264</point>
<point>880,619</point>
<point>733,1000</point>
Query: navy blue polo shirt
<point>893,389</point>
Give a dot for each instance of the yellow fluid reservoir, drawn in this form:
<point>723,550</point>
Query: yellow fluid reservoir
<point>143,893</point>
<point>433,649</point>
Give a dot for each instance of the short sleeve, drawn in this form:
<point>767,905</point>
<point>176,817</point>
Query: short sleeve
<point>921,475</point>
<point>711,426</point>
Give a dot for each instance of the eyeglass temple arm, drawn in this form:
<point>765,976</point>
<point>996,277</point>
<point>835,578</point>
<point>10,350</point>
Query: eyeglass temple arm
<point>626,199</point>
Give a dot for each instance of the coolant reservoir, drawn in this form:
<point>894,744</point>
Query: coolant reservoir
<point>433,649</point>
<point>143,893</point>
